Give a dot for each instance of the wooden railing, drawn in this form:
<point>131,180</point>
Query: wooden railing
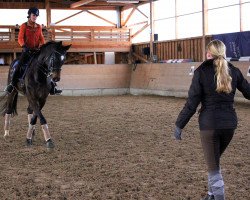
<point>83,38</point>
<point>90,33</point>
<point>187,48</point>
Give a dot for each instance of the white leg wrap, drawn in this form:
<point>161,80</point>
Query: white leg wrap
<point>29,117</point>
<point>217,185</point>
<point>7,125</point>
<point>6,133</point>
<point>30,131</point>
<point>46,132</point>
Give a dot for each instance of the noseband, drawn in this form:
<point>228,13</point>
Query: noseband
<point>51,66</point>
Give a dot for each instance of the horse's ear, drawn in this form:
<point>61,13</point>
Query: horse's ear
<point>67,47</point>
<point>59,43</point>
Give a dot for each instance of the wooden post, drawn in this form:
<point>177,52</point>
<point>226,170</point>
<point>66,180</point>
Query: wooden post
<point>48,12</point>
<point>204,28</point>
<point>151,30</point>
<point>176,21</point>
<point>95,60</point>
<point>241,24</point>
<point>119,17</point>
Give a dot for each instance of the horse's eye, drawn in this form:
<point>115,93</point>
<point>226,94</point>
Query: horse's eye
<point>62,57</point>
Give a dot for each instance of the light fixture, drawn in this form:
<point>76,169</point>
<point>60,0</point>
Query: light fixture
<point>122,1</point>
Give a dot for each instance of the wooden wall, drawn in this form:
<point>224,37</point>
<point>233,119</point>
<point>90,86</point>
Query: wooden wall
<point>170,79</point>
<point>156,78</point>
<point>175,49</point>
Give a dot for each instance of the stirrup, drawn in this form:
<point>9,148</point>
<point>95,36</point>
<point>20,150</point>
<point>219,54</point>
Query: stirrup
<point>55,92</point>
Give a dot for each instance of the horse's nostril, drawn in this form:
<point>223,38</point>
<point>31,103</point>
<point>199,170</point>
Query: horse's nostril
<point>56,79</point>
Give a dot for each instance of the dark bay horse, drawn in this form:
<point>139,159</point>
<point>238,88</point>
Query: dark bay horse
<point>45,65</point>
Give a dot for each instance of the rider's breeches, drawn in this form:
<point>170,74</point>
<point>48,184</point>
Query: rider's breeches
<point>214,143</point>
<point>24,59</point>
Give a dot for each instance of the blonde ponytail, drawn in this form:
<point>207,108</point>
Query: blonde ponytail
<point>223,78</point>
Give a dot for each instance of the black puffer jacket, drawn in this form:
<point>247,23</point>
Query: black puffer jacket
<point>217,110</point>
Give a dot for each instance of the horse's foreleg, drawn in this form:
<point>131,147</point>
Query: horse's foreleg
<point>37,112</point>
<point>7,125</point>
<point>46,132</point>
<point>31,129</point>
<point>44,125</point>
<point>29,118</point>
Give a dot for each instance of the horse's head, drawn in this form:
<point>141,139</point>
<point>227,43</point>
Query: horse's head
<point>55,55</point>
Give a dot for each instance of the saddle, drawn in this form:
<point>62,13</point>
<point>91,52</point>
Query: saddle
<point>21,65</point>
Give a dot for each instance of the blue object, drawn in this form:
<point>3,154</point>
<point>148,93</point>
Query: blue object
<point>237,44</point>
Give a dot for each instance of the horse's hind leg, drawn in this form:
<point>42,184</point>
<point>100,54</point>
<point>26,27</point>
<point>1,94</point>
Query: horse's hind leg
<point>31,122</point>
<point>9,110</point>
<point>7,125</point>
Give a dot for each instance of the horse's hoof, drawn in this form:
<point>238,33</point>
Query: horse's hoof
<point>49,144</point>
<point>29,142</point>
<point>6,134</point>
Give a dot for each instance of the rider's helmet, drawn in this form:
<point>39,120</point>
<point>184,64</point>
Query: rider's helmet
<point>33,10</point>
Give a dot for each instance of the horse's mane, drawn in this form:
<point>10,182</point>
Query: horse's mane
<point>48,44</point>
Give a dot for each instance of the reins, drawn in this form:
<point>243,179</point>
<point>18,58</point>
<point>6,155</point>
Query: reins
<point>51,67</point>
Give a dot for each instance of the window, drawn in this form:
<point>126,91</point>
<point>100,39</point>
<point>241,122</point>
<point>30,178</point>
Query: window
<point>246,16</point>
<point>224,20</point>
<point>189,25</point>
<point>165,29</point>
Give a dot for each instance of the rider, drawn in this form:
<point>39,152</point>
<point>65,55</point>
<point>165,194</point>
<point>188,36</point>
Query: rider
<point>30,38</point>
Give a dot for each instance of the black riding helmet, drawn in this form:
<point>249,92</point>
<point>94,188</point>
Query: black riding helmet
<point>33,10</point>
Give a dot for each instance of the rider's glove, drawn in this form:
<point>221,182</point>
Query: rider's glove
<point>25,48</point>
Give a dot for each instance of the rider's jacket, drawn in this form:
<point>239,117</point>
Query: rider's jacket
<point>30,34</point>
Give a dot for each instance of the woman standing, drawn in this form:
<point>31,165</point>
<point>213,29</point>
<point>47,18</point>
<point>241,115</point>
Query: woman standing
<point>214,85</point>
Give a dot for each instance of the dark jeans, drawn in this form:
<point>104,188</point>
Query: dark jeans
<point>214,143</point>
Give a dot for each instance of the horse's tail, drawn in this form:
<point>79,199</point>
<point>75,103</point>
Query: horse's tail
<point>8,104</point>
<point>6,100</point>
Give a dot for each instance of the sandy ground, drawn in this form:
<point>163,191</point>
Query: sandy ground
<point>117,147</point>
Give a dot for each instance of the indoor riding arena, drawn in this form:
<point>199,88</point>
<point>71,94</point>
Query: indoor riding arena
<point>124,85</point>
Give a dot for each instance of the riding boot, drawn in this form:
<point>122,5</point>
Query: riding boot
<point>53,90</point>
<point>9,88</point>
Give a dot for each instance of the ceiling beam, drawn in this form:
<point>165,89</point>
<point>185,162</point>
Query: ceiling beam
<point>69,17</point>
<point>80,3</point>
<point>101,18</point>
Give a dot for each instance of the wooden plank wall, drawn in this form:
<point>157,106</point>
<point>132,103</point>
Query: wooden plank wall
<point>188,48</point>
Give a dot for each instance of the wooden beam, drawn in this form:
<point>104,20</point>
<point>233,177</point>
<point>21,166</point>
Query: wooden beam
<point>101,18</point>
<point>48,12</point>
<point>176,21</point>
<point>69,17</point>
<point>21,5</point>
<point>144,27</point>
<point>129,16</point>
<point>151,30</point>
<point>138,23</point>
<point>140,57</point>
<point>204,27</point>
<point>95,60</point>
<point>85,28</point>
<point>128,6</point>
<point>241,16</point>
<point>142,13</point>
<point>80,3</point>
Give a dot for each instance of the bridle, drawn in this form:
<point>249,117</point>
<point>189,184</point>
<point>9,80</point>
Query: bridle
<point>51,66</point>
